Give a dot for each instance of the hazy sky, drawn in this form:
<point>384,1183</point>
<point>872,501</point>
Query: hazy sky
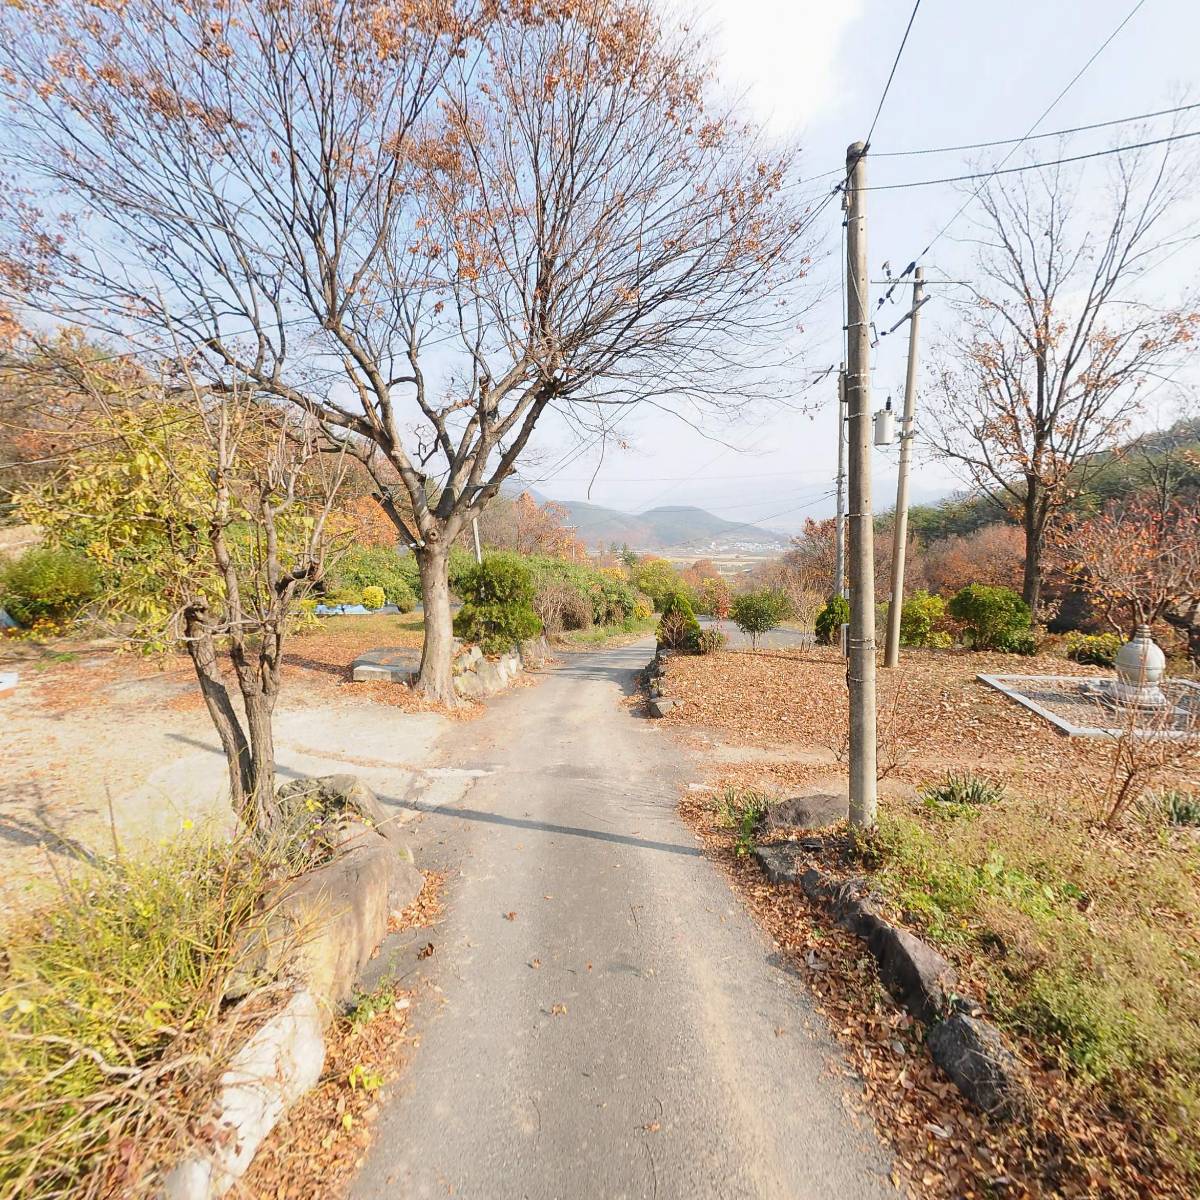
<point>971,72</point>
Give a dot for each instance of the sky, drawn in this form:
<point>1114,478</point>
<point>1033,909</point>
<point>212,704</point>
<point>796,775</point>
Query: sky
<point>971,72</point>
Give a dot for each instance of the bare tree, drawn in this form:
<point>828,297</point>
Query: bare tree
<point>1055,342</point>
<point>426,225</point>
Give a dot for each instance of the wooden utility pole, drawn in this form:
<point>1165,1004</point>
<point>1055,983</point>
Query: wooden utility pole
<point>900,523</point>
<point>861,671</point>
<point>839,570</point>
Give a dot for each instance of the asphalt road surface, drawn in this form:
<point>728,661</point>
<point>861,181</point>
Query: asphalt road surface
<point>601,1018</point>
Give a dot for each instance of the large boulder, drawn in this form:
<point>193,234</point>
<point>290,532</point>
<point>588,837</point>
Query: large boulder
<point>807,812</point>
<point>323,926</point>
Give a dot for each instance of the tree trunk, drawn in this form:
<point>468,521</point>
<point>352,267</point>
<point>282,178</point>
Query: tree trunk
<point>259,811</point>
<point>220,708</point>
<point>436,678</point>
<point>1186,619</point>
<point>1031,591</point>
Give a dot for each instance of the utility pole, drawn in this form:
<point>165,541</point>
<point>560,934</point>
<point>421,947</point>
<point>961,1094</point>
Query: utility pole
<point>475,531</point>
<point>839,570</point>
<point>900,523</point>
<point>861,672</point>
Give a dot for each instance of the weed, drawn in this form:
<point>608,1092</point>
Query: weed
<point>361,1078</point>
<point>1180,807</point>
<point>367,1006</point>
<point>109,1004</point>
<point>742,810</point>
<point>962,790</point>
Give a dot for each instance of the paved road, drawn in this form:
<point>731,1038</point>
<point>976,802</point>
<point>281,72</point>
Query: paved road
<point>628,1032</point>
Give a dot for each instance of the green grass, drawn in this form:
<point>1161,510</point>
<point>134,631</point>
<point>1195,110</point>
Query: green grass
<point>109,1000</point>
<point>602,635</point>
<point>1088,949</point>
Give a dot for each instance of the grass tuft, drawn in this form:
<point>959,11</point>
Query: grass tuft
<point>109,1003</point>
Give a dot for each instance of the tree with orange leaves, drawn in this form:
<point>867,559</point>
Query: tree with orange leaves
<point>1139,561</point>
<point>1057,340</point>
<point>425,224</point>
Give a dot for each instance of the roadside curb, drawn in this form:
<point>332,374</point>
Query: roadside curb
<point>323,928</point>
<point>969,1049</point>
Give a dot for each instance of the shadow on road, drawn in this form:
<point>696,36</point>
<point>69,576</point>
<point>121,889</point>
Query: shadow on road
<point>620,839</point>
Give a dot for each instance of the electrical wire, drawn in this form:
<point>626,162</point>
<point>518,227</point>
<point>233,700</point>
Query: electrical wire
<point>1037,166</point>
<point>1162,112</point>
<point>1016,145</point>
<point>892,73</point>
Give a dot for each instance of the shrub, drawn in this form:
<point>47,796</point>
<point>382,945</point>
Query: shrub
<point>659,580</point>
<point>497,610</point>
<point>613,600</point>
<point>678,628</point>
<point>919,614</point>
<point>561,607</point>
<point>963,789</point>
<point>710,641</point>
<point>1095,649</point>
<point>643,606</point>
<point>940,639</point>
<point>756,613</point>
<point>991,616</point>
<point>47,584</point>
<point>373,597</point>
<point>1018,643</point>
<point>714,598</point>
<point>363,567</point>
<point>830,620</point>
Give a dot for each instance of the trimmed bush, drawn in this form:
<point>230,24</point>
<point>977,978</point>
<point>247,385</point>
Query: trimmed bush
<point>678,628</point>
<point>1094,649</point>
<point>380,567</point>
<point>373,597</point>
<point>830,619</point>
<point>919,614</point>
<point>993,618</point>
<point>710,641</point>
<point>497,610</point>
<point>757,613</point>
<point>47,584</point>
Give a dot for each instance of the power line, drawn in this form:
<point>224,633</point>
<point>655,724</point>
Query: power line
<point>1044,114</point>
<point>892,73</point>
<point>1037,166</point>
<point>1016,145</point>
<point>1162,112</point>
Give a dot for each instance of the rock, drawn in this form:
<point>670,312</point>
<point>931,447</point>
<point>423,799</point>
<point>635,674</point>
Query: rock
<point>339,794</point>
<point>534,652</point>
<point>660,706</point>
<point>324,925</point>
<point>278,1063</point>
<point>973,1053</point>
<point>807,812</point>
<point>468,684</point>
<point>778,861</point>
<point>916,974</point>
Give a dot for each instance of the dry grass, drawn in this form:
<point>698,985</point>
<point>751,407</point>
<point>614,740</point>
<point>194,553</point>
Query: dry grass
<point>1084,943</point>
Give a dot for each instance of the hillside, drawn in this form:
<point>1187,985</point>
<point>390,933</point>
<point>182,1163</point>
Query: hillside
<point>669,527</point>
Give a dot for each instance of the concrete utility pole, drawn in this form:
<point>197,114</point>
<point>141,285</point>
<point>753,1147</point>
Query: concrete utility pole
<point>907,431</point>
<point>861,672</point>
<point>839,570</point>
<point>475,531</point>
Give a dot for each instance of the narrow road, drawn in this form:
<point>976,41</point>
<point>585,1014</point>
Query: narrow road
<point>609,1022</point>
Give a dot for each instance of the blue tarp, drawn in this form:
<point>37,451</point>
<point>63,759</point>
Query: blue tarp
<point>352,610</point>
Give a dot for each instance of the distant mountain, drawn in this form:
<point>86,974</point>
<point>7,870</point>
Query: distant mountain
<point>677,527</point>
